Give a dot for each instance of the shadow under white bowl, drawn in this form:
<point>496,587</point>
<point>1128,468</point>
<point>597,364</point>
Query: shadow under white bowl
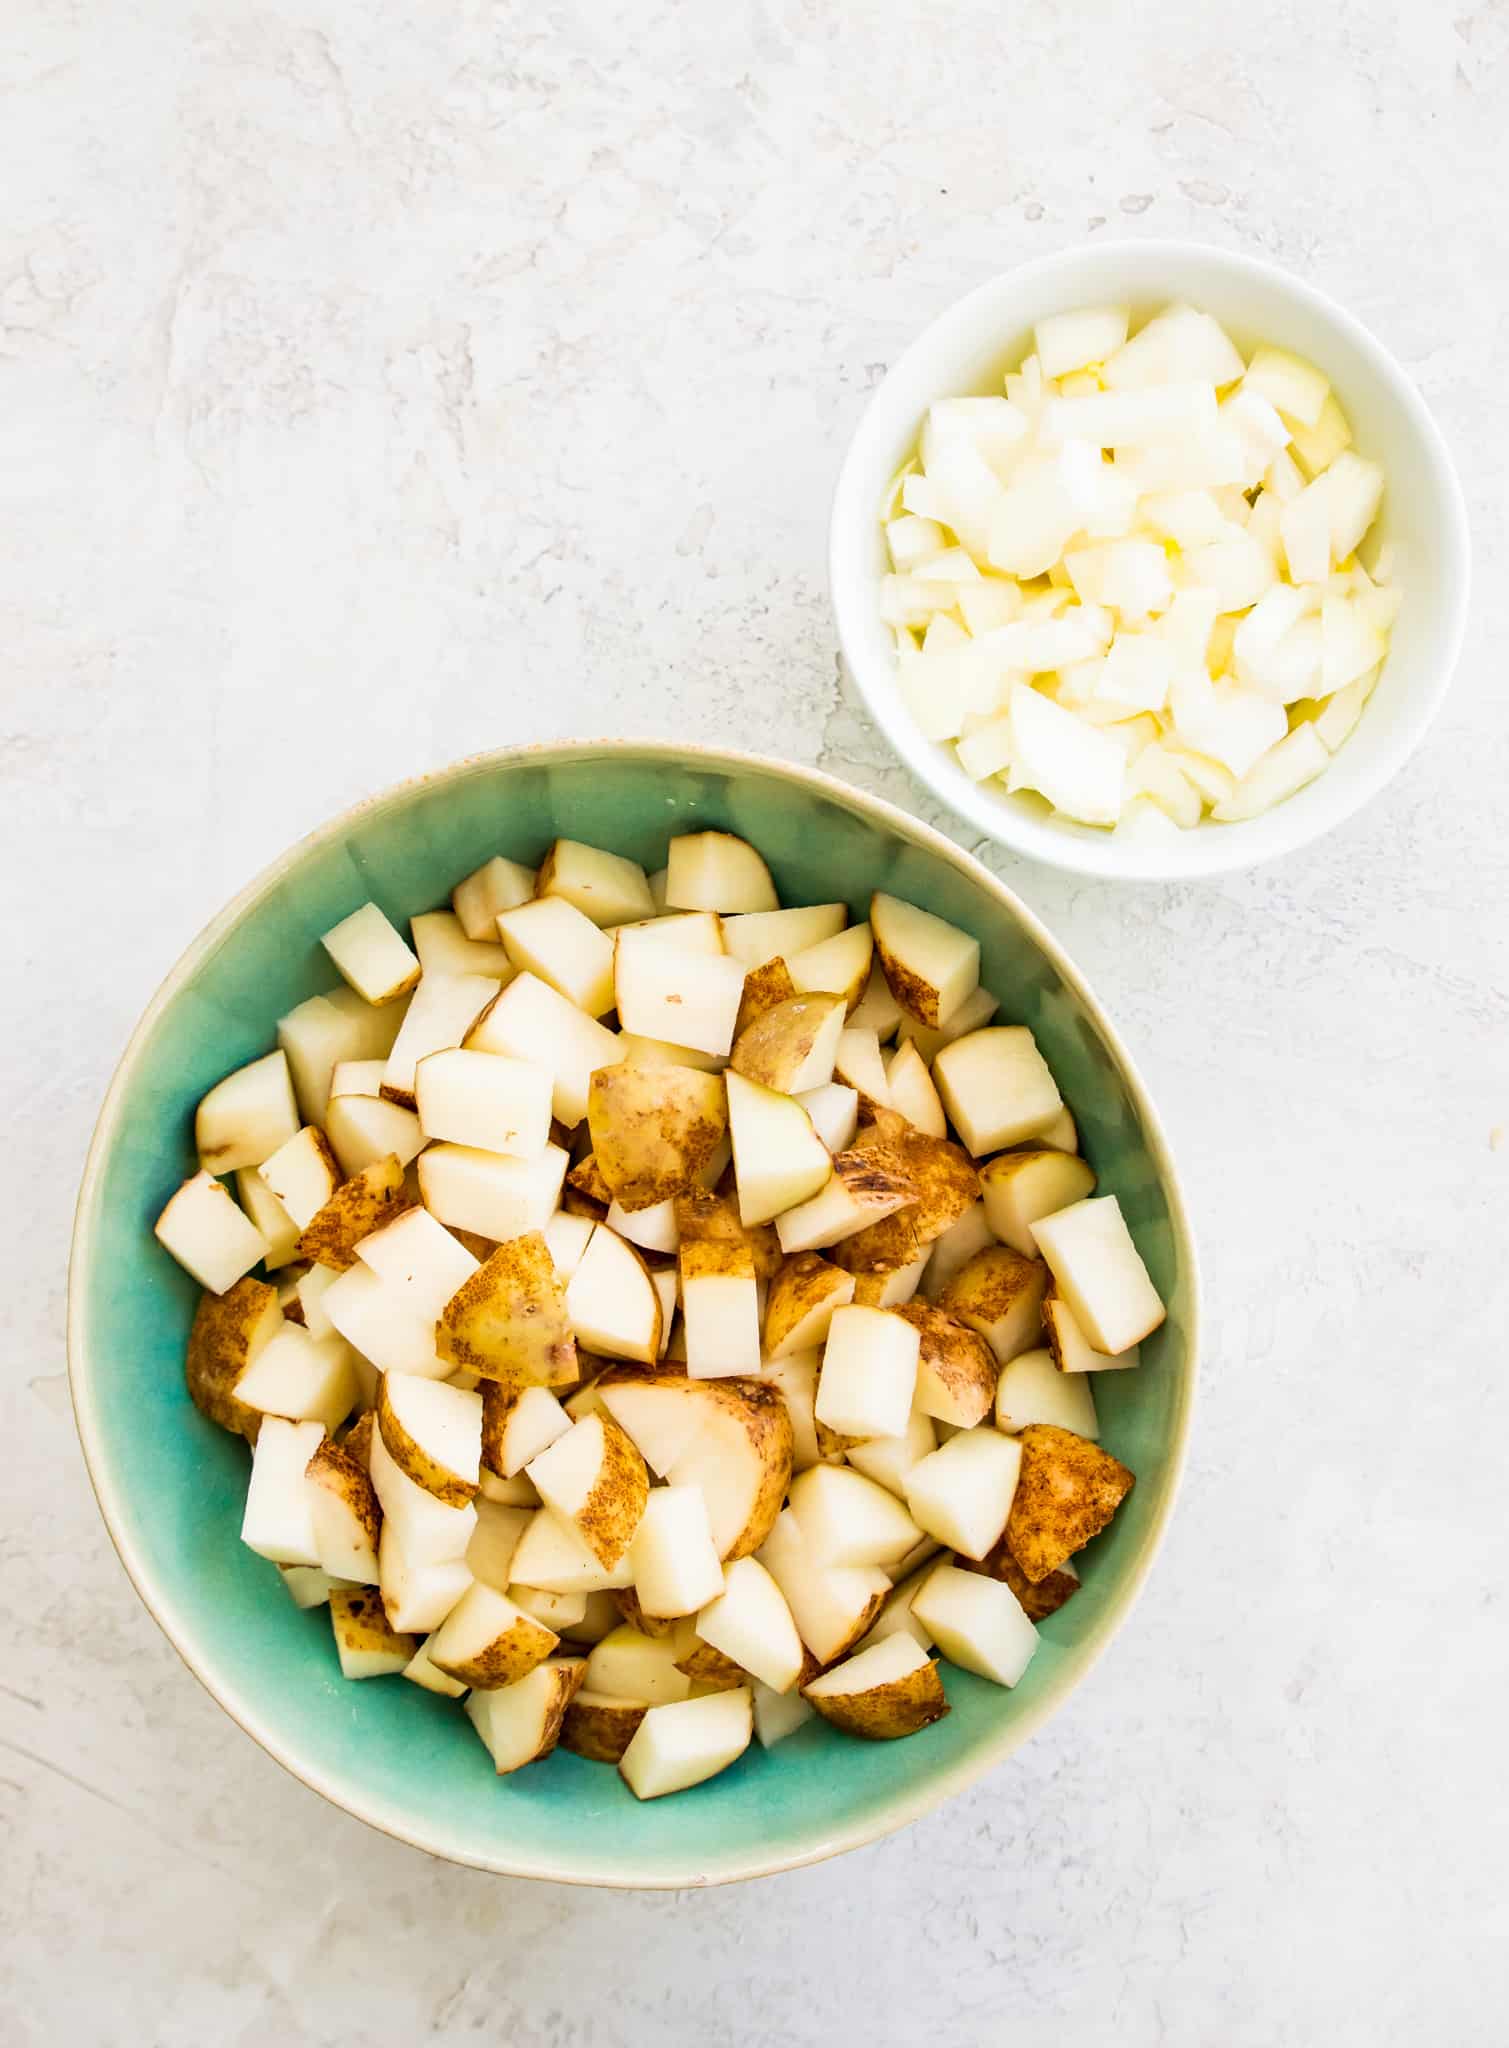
<point>1423,519</point>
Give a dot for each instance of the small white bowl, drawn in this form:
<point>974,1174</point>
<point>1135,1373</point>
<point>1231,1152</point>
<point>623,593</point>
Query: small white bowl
<point>968,348</point>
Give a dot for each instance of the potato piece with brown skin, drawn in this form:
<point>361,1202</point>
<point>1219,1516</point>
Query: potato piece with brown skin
<point>946,1179</point>
<point>487,1641</point>
<point>363,1630</point>
<point>780,1043</point>
<point>357,1442</point>
<point>956,1369</point>
<point>228,1331</point>
<point>586,1178</point>
<point>635,1616</point>
<point>1068,1491</point>
<point>764,989</point>
<point>882,1247</point>
<point>653,1130</point>
<point>898,1706</point>
<point>803,1295</point>
<point>600,1728</point>
<point>359,1206</point>
<point>746,1434</point>
<point>508,1321</point>
<point>575,1203</point>
<point>336,1472</point>
<point>706,1216</point>
<point>1037,1601</point>
<point>832,1445</point>
<point>711,1668</point>
<point>604,1499</point>
<point>412,1457</point>
<point>1000,1294</point>
<point>930,966</point>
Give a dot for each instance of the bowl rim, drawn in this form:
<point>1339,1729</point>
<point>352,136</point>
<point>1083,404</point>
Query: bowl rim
<point>1221,850</point>
<point>908,1804</point>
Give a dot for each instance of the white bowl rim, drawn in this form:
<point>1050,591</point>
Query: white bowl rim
<point>1208,850</point>
<point>886,1817</point>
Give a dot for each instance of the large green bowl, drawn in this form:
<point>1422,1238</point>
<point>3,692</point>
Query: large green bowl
<point>171,1486</point>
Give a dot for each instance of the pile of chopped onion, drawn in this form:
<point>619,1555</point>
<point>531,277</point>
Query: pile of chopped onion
<point>1131,584</point>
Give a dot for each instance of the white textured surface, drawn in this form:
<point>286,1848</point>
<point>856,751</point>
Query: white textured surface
<point>385,382</point>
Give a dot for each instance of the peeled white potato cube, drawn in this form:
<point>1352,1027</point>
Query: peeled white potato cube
<point>1072,1350</point>
<point>497,885</point>
<point>832,1605</point>
<point>1339,718</point>
<point>372,1316</point>
<point>486,1100</point>
<point>834,1112</point>
<point>1100,1273</point>
<point>302,1378</point>
<point>612,1302</point>
<point>1032,522</point>
<point>566,1240</point>
<point>532,1021</point>
<point>1021,1187</point>
<point>759,936</point>
<point>987,750</point>
<point>419,1259</point>
<point>661,1418</point>
<point>966,491</point>
<point>956,1247</point>
<point>868,1375</point>
<point>911,1091</point>
<point>1070,341</point>
<point>607,887</point>
<point>490,1548</point>
<point>778,1714</point>
<point>1079,770</point>
<point>362,1128</point>
<point>1129,576</point>
<point>672,1557</point>
<point>963,1492</point>
<point>1032,1389</point>
<point>279,1519</point>
<point>371,956</point>
<point>977,1623</point>
<point>653,1229</point>
<point>444,1008</point>
<point>847,1519</point>
<point>1152,773</point>
<point>1131,419</point>
<point>717,871</point>
<point>207,1234</point>
<point>1257,425</point>
<point>993,427</point>
<point>487,1192</point>
<point>629,1665</point>
<point>553,1558</point>
<point>779,1160</point>
<point>684,1744</point>
<point>551,938</point>
<point>840,966</point>
<point>303,1174</point>
<point>1289,383</point>
<point>444,948</point>
<point>417,1594</point>
<point>750,1622</point>
<point>1354,490</point>
<point>677,993</point>
<point>266,1214</point>
<point>247,1116</point>
<point>1287,766</point>
<point>997,1087</point>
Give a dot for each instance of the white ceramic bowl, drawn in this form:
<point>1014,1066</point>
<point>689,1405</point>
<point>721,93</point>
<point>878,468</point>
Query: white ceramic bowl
<point>967,349</point>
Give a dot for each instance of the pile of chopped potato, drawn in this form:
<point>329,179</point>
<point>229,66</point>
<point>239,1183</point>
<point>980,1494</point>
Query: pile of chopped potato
<point>679,1313</point>
<point>1131,583</point>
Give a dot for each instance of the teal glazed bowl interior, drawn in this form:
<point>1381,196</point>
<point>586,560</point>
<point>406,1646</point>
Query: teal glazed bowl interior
<point>172,1487</point>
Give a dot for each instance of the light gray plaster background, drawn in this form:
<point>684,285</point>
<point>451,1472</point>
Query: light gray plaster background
<point>382,382</point>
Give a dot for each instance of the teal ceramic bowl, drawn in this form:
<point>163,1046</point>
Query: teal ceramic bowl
<point>171,1486</point>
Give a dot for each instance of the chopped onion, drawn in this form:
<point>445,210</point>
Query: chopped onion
<point>1135,574</point>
